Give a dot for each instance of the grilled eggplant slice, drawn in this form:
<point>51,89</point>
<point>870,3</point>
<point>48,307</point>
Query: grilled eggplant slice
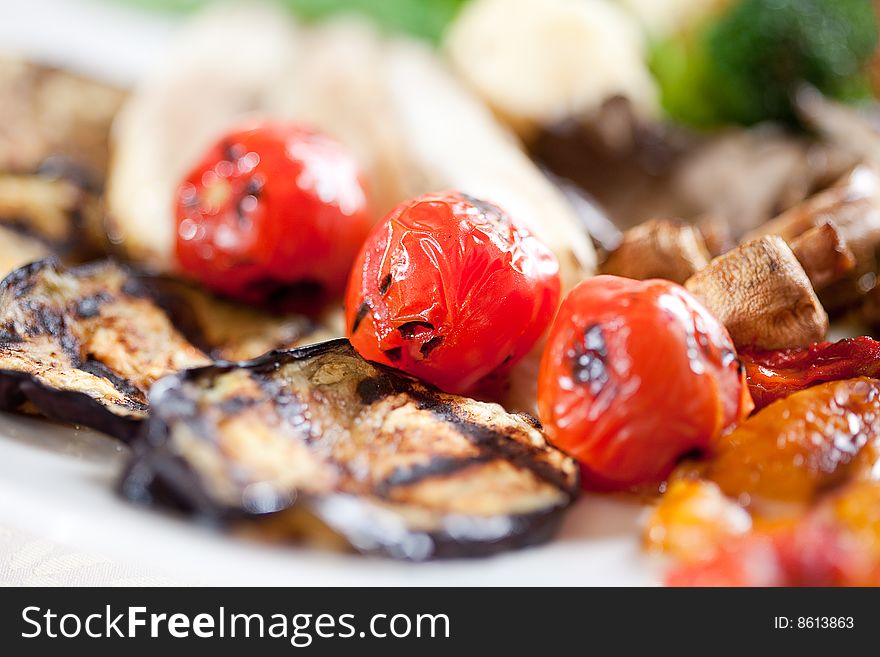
<point>47,111</point>
<point>390,464</point>
<point>84,345</point>
<point>59,205</point>
<point>227,330</point>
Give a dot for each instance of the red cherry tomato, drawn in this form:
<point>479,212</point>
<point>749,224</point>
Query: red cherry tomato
<point>272,213</point>
<point>635,374</point>
<point>450,289</point>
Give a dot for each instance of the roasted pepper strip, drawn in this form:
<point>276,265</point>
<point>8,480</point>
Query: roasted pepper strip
<point>772,375</point>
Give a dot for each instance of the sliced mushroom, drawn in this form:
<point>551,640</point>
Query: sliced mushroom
<point>660,248</point>
<point>762,294</point>
<point>853,204</point>
<point>824,254</point>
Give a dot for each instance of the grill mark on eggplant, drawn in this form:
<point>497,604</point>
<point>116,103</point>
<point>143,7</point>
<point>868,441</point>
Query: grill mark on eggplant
<point>90,306</point>
<point>374,389</point>
<point>135,397</point>
<point>493,444</point>
<point>436,467</point>
<point>324,394</point>
<point>220,327</point>
<point>50,316</point>
<point>393,354</point>
<point>56,206</point>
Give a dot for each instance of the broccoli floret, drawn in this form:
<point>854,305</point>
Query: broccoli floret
<point>743,64</point>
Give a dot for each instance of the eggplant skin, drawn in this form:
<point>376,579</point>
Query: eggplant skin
<point>225,329</point>
<point>84,344</point>
<point>317,441</point>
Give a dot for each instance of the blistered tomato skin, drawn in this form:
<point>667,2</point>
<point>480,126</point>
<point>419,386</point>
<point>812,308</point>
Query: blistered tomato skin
<point>450,289</point>
<point>635,374</point>
<point>272,214</point>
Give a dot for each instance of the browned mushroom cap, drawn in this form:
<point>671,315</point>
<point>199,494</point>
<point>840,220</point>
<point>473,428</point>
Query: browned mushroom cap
<point>762,294</point>
<point>659,248</point>
<point>824,254</point>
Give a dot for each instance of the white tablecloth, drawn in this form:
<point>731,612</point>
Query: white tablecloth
<point>29,560</point>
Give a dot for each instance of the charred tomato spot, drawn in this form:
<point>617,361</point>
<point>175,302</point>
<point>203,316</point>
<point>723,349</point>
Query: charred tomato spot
<point>233,151</point>
<point>362,311</point>
<point>409,329</point>
<point>588,359</point>
<point>430,345</point>
<point>393,354</point>
<point>385,284</point>
<point>254,186</point>
<point>490,211</point>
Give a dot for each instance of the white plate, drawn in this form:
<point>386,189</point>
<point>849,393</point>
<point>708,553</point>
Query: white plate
<point>58,483</point>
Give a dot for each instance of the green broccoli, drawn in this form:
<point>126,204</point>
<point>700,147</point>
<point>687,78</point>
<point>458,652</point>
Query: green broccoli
<point>422,18</point>
<point>743,64</point>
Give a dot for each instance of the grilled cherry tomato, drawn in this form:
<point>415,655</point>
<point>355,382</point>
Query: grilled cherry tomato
<point>635,374</point>
<point>450,289</point>
<point>272,214</point>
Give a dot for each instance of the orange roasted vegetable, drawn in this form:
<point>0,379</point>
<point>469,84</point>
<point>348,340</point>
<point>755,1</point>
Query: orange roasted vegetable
<point>801,446</point>
<point>693,518</point>
<point>835,544</point>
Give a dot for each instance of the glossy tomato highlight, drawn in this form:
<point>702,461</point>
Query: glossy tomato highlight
<point>634,375</point>
<point>450,289</point>
<point>272,214</point>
